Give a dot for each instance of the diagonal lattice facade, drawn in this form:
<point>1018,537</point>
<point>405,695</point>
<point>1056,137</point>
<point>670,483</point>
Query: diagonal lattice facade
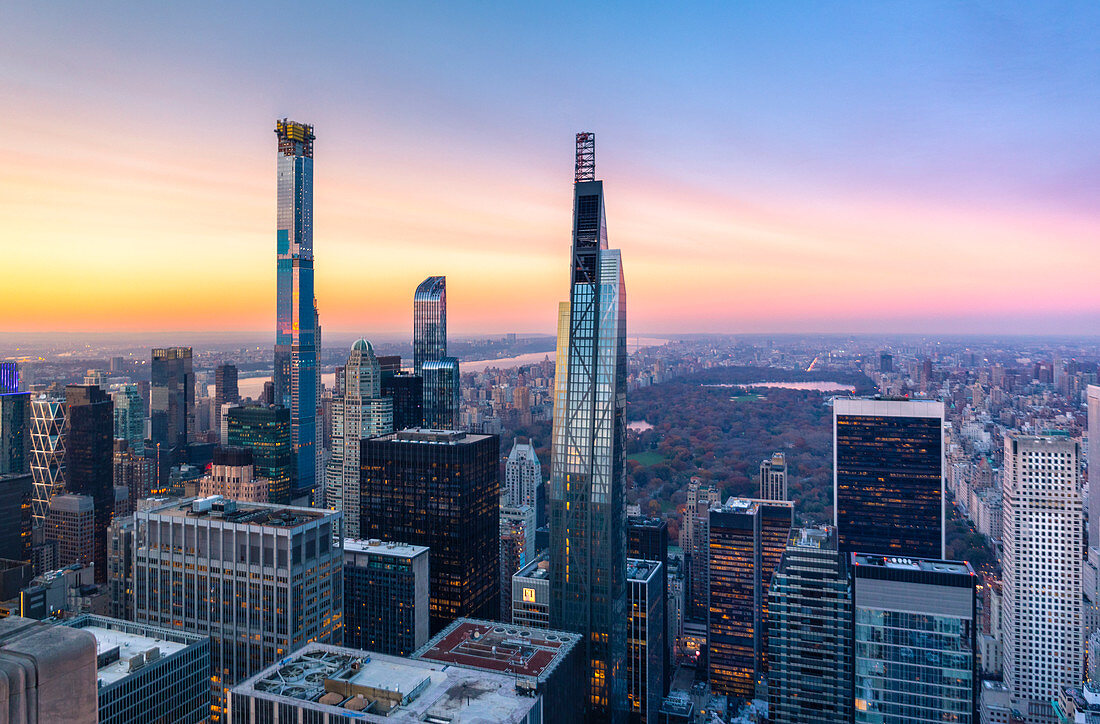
<point>588,472</point>
<point>49,423</point>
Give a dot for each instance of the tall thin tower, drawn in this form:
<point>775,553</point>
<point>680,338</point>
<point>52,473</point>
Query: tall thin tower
<point>588,470</point>
<point>296,378</point>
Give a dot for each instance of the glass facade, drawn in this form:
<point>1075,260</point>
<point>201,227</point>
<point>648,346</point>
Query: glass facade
<point>588,466</point>
<point>809,650</point>
<point>130,417</point>
<point>429,322</point>
<point>889,478</point>
<point>15,432</point>
<point>407,393</point>
<point>385,597</point>
<point>441,393</point>
<point>915,640</point>
<point>266,432</point>
<point>89,465</point>
<point>171,397</point>
<point>296,378</point>
<point>441,490</point>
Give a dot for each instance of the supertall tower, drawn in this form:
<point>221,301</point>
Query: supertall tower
<point>588,470</point>
<point>296,378</point>
<point>429,322</point>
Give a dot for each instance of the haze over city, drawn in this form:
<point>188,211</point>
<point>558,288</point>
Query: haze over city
<point>891,167</point>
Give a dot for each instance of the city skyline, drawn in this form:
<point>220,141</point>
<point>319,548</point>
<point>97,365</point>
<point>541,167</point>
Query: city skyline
<point>808,181</point>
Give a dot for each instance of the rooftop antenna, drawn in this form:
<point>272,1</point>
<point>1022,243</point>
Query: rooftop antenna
<point>585,169</point>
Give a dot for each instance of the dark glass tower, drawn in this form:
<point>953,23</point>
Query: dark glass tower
<point>429,321</point>
<point>647,539</point>
<point>225,389</point>
<point>888,476</point>
<point>90,460</point>
<point>296,378</point>
<point>407,392</point>
<point>15,432</point>
<point>588,467</point>
<point>266,432</point>
<point>441,490</point>
<point>441,393</point>
<point>171,397</point>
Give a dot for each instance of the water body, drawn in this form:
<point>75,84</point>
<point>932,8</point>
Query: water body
<point>814,386</point>
<point>639,426</point>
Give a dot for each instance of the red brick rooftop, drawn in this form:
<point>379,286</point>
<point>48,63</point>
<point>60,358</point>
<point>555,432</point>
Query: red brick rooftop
<point>497,647</point>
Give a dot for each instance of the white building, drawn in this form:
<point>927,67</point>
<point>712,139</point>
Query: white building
<point>1041,620</point>
<point>773,478</point>
<point>359,411</point>
<point>522,476</point>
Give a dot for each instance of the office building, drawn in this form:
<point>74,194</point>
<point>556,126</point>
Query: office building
<point>809,618</point>
<point>89,463</point>
<point>885,362</point>
<point>9,378</point>
<point>439,489</point>
<point>531,593</point>
<point>646,644</point>
<point>225,390</point>
<point>915,640</point>
<point>172,398</point>
<point>16,490</point>
<point>588,457</point>
<point>130,417</point>
<point>148,673</point>
<point>359,411</point>
<point>266,432</point>
<point>773,478</point>
<point>407,393</point>
<point>647,539</point>
<point>120,568</point>
<point>542,662</point>
<point>264,579</point>
<point>523,480</point>
<point>517,549</point>
<point>385,596</point>
<point>747,540</point>
<point>888,462</point>
<point>133,471</point>
<point>233,475</point>
<point>71,523</point>
<point>336,685</point>
<point>296,380</point>
<point>429,322</point>
<point>49,433</point>
<point>50,672</point>
<point>1041,616</point>
<point>15,432</point>
<point>441,393</point>
<point>1091,571</point>
<point>66,591</point>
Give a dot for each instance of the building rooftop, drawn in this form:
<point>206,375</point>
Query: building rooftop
<point>383,548</point>
<point>499,647</point>
<point>217,507</point>
<point>930,565</point>
<point>641,570</point>
<point>379,688</point>
<point>119,654</point>
<point>819,538</point>
<point>537,569</point>
<point>430,436</point>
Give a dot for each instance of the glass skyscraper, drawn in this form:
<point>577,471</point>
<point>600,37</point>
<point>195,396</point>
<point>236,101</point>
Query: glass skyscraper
<point>588,465</point>
<point>888,476</point>
<point>266,432</point>
<point>172,397</point>
<point>441,393</point>
<point>296,378</point>
<point>130,417</point>
<point>429,322</point>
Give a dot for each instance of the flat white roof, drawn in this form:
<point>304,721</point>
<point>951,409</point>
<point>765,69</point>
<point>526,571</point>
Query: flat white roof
<point>383,548</point>
<point>887,408</point>
<point>129,645</point>
<point>391,676</point>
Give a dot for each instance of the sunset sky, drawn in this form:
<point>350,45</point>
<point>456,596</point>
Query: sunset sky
<point>769,167</point>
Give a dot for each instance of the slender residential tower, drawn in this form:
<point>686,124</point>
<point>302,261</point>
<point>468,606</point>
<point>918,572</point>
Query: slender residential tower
<point>296,378</point>
<point>588,467</point>
<point>429,322</point>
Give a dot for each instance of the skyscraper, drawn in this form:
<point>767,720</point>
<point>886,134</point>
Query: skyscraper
<point>588,470</point>
<point>693,541</point>
<point>1041,581</point>
<point>49,433</point>
<point>15,512</point>
<point>888,476</point>
<point>439,489</point>
<point>266,432</point>
<point>915,653</point>
<point>172,397</point>
<point>773,478</point>
<point>407,393</point>
<point>15,432</point>
<point>296,378</point>
<point>441,393</point>
<point>809,649</point>
<point>1093,397</point>
<point>89,466</point>
<point>647,539</point>
<point>645,660</point>
<point>130,417</point>
<point>747,540</point>
<point>225,390</point>
<point>358,412</point>
<point>517,549</point>
<point>429,322</point>
<point>385,596</point>
<point>523,478</point>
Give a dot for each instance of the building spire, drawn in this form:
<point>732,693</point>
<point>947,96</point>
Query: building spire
<point>585,169</point>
